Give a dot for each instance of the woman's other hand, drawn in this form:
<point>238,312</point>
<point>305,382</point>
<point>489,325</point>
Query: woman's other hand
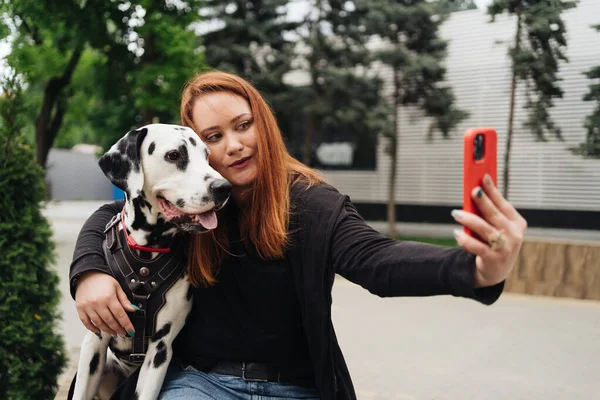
<point>503,229</point>
<point>102,305</point>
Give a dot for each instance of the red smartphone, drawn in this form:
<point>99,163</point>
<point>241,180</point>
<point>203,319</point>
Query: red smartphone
<point>479,158</point>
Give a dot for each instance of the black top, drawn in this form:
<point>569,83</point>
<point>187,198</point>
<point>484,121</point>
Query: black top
<point>252,314</point>
<point>329,236</point>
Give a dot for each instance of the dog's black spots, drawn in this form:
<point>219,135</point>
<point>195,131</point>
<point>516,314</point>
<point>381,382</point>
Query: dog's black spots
<point>184,159</point>
<point>193,141</point>
<point>180,203</point>
<point>143,202</point>
<point>151,148</point>
<point>206,177</point>
<point>94,363</point>
<point>121,354</point>
<point>162,241</point>
<point>129,146</point>
<point>158,236</point>
<point>190,293</point>
<point>162,332</point>
<point>179,157</point>
<point>123,144</point>
<point>207,153</point>
<point>116,167</point>
<point>161,354</point>
<point>134,145</point>
<point>178,128</point>
<point>205,199</point>
<point>139,219</point>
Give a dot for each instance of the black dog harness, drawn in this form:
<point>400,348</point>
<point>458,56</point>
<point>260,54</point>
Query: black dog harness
<point>144,281</point>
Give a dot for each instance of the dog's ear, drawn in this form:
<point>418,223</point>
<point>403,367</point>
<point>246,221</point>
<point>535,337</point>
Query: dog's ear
<point>122,163</point>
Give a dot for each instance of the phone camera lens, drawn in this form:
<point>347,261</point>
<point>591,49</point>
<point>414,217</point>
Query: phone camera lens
<point>478,148</point>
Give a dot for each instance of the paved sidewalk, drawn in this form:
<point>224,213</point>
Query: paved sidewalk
<point>523,347</point>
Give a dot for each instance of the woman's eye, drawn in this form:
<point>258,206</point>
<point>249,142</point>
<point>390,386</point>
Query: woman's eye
<point>213,137</point>
<point>243,126</point>
<point>173,155</point>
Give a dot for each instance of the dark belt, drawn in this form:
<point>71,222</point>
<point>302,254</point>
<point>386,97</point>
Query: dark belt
<point>259,372</point>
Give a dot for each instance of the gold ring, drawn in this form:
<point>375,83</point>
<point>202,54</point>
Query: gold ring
<point>496,240</point>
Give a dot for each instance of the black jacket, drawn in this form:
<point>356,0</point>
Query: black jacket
<point>328,236</point>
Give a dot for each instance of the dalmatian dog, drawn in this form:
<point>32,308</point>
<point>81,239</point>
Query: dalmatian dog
<point>170,188</point>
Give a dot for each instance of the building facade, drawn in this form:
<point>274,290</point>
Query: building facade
<point>549,184</point>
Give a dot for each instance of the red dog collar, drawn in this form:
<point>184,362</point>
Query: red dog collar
<point>132,244</point>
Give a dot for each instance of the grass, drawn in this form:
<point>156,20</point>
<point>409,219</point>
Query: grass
<point>446,241</point>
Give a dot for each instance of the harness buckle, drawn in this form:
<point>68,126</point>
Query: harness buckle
<point>250,379</point>
<point>137,357</point>
<point>112,222</point>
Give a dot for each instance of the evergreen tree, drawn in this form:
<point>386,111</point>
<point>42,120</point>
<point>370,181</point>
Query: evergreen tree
<point>457,5</point>
<point>415,53</point>
<point>31,352</point>
<point>252,39</point>
<point>256,40</point>
<point>342,97</point>
<point>591,146</point>
<point>535,55</point>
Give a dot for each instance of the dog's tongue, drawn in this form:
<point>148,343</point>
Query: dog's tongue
<point>208,219</point>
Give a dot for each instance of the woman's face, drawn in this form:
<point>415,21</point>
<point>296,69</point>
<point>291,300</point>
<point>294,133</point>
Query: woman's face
<point>225,123</point>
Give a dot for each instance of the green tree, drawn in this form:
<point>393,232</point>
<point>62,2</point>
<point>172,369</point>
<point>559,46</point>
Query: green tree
<point>415,53</point>
<point>535,56</point>
<point>591,146</point>
<point>138,54</point>
<point>457,5</point>
<point>50,38</point>
<point>141,76</point>
<point>342,95</point>
<point>253,39</point>
<point>32,353</point>
<point>250,40</point>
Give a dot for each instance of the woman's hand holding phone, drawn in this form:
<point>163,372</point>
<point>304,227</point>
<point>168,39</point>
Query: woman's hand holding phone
<point>501,224</point>
<point>493,229</point>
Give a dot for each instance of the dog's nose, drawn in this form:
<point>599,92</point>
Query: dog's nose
<point>220,189</point>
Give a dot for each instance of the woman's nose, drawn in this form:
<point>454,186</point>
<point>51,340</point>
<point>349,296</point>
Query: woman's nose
<point>233,145</point>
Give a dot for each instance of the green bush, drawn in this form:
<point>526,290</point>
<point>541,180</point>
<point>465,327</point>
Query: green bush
<point>31,352</point>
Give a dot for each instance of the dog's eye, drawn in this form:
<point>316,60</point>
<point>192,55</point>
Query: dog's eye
<point>172,155</point>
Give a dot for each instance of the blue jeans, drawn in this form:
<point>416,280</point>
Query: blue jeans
<point>189,383</point>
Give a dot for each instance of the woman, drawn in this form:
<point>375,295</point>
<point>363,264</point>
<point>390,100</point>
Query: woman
<point>263,277</point>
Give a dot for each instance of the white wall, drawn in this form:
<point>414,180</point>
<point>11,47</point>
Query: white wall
<point>544,175</point>
<point>76,176</point>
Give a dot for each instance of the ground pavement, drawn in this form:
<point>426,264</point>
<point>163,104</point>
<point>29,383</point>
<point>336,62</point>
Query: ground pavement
<point>438,348</point>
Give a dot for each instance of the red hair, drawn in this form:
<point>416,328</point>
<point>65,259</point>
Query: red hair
<point>264,221</point>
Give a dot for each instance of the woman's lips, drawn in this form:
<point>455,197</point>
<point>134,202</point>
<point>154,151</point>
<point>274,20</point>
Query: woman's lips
<point>241,163</point>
